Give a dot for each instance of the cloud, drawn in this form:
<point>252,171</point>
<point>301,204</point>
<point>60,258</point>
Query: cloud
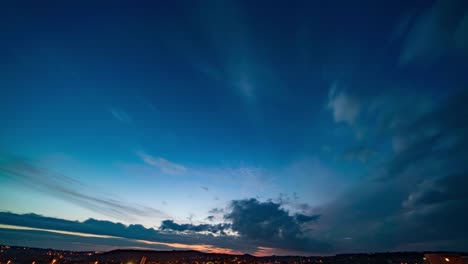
<point>301,218</point>
<point>171,225</point>
<point>238,66</point>
<point>90,226</point>
<point>415,199</point>
<point>121,115</point>
<point>45,238</point>
<point>447,189</point>
<point>94,233</point>
<point>314,180</point>
<point>248,225</point>
<point>345,108</point>
<point>359,153</point>
<point>69,189</point>
<point>162,164</point>
<point>436,32</point>
<point>216,211</point>
<point>271,225</point>
<point>31,230</point>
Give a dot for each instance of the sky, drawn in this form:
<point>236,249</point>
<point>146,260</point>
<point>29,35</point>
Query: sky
<point>260,127</point>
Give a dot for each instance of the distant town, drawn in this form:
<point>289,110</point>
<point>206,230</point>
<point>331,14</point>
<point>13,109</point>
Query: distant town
<point>17,254</point>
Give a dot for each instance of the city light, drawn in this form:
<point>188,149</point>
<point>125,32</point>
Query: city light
<point>131,256</point>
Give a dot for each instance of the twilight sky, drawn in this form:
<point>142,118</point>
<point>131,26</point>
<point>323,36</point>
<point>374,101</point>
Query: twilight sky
<point>262,127</point>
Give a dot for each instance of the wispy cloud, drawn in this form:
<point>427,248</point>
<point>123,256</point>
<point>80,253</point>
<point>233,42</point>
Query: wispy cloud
<point>120,115</point>
<point>237,67</point>
<point>69,189</point>
<point>162,164</point>
<point>437,31</point>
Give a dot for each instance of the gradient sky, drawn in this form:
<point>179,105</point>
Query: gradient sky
<point>266,127</point>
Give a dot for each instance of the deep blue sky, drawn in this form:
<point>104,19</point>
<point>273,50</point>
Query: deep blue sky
<point>255,126</point>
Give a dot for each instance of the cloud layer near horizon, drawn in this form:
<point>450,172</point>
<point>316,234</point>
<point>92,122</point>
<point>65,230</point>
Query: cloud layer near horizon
<point>230,238</point>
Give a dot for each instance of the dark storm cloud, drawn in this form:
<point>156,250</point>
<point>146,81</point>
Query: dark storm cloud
<point>437,203</point>
<point>417,199</point>
<point>450,188</point>
<point>69,189</point>
<point>436,137</point>
<point>258,220</point>
<point>171,225</point>
<point>301,218</point>
<point>269,223</point>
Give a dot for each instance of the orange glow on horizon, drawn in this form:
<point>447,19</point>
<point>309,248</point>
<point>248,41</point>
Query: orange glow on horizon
<point>268,251</point>
<point>199,247</point>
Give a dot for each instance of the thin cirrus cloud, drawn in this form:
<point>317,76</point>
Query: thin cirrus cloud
<point>69,189</point>
<point>238,66</point>
<point>120,115</point>
<point>241,178</point>
<point>164,165</point>
<point>439,30</point>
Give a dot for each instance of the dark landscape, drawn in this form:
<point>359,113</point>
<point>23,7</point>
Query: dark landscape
<point>13,254</point>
